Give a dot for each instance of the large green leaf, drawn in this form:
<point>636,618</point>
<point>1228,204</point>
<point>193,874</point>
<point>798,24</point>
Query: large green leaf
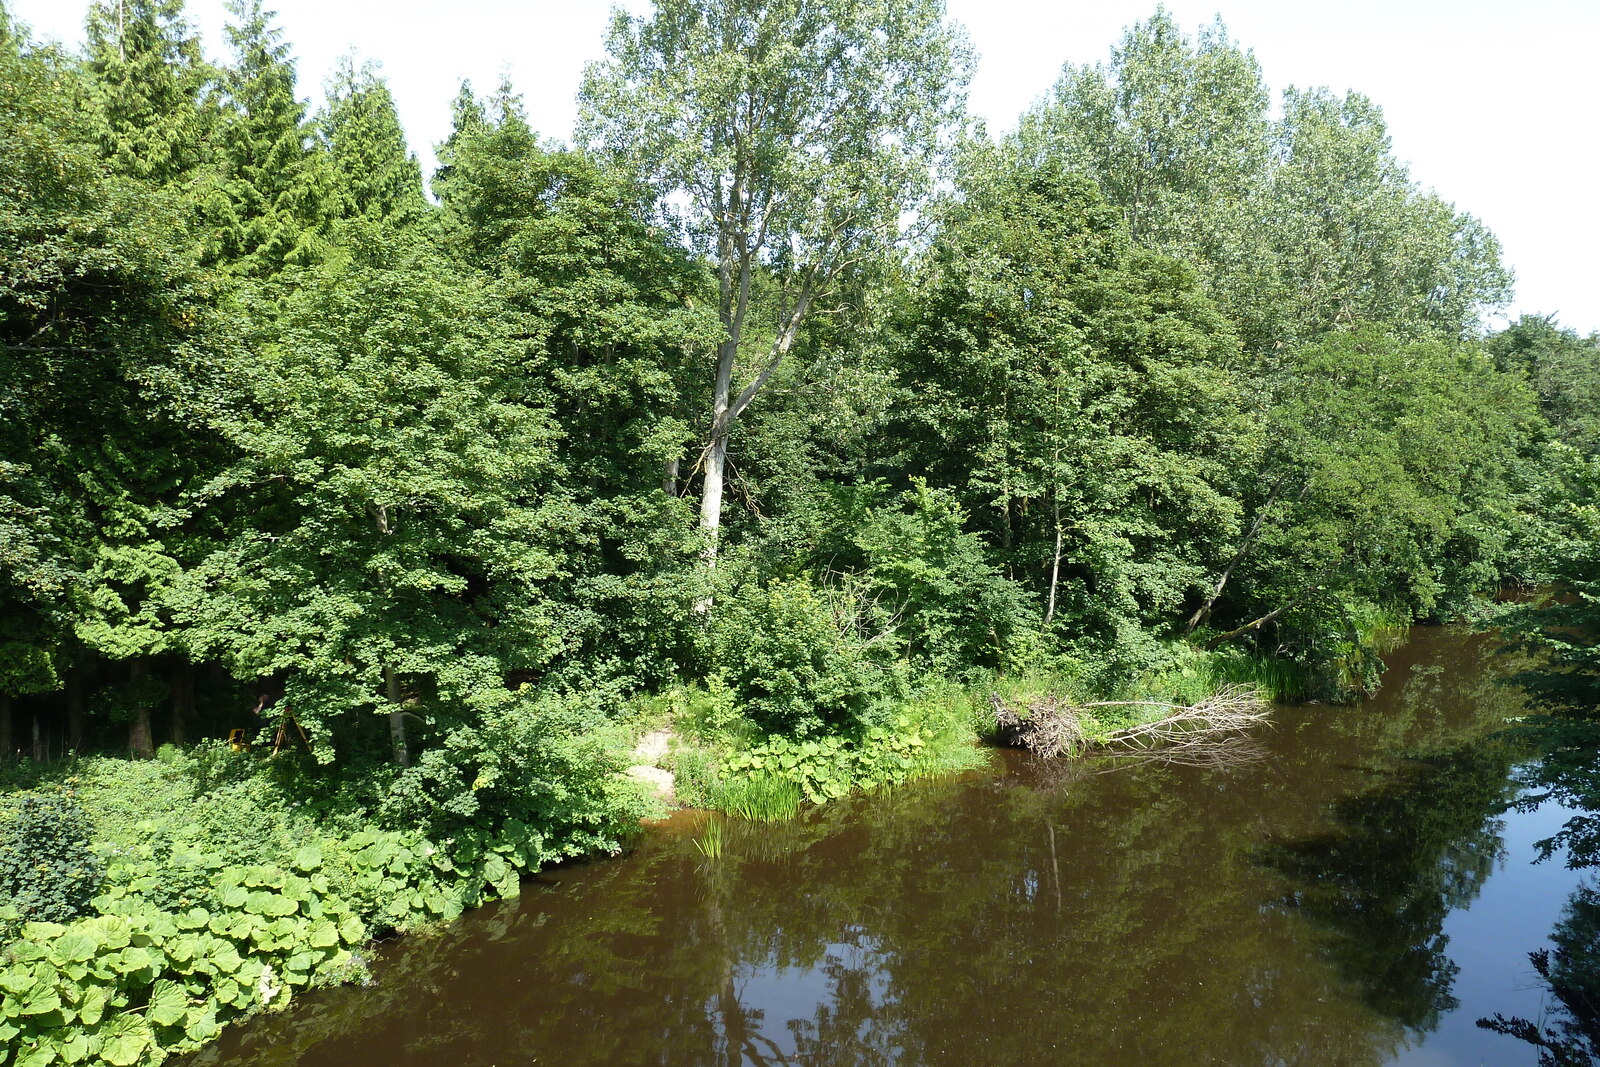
<point>168,1004</point>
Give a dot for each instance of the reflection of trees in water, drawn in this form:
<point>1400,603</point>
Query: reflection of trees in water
<point>1115,918</point>
<point>1398,862</point>
<point>1380,882</point>
<point>1569,1035</point>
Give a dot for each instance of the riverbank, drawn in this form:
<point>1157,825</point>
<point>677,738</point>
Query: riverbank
<point>1339,899</point>
<point>226,882</point>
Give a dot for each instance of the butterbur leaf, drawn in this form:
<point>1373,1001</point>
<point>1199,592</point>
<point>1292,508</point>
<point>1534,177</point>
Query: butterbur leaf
<point>92,1007</point>
<point>42,932</point>
<point>273,905</point>
<point>112,931</point>
<point>202,1026</point>
<point>181,949</point>
<point>16,979</point>
<point>307,858</point>
<point>74,1049</point>
<point>124,1051</point>
<point>352,931</point>
<point>76,946</point>
<point>168,1005</point>
<point>126,1038</point>
<point>133,960</point>
<point>324,935</point>
<point>226,957</point>
<point>42,999</point>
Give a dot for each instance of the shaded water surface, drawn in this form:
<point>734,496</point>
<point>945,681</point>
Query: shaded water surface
<point>1357,895</point>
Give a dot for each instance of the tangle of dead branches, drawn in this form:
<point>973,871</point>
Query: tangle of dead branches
<point>1199,733</point>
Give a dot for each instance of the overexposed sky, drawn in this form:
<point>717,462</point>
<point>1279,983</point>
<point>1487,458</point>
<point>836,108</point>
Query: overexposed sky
<point>1496,105</point>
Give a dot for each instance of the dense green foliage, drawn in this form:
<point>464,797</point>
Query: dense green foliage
<point>789,407</point>
<point>48,871</point>
<point>224,892</point>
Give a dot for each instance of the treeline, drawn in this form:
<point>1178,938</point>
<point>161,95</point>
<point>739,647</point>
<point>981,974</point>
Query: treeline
<point>789,380</point>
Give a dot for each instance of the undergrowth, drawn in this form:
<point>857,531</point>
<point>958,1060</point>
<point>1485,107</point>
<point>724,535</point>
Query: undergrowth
<point>224,883</point>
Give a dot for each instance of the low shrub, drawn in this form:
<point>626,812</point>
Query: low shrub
<point>48,870</point>
<point>696,776</point>
<point>794,669</point>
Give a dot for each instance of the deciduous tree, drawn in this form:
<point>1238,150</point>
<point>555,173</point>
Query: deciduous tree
<point>787,140</point>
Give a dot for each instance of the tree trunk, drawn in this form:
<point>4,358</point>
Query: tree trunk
<point>711,497</point>
<point>38,751</point>
<point>669,476</point>
<point>182,705</point>
<point>1271,616</point>
<point>397,718</point>
<point>73,694</point>
<point>140,742</point>
<point>6,751</point>
<point>1055,570</point>
<point>716,454</point>
<point>1202,614</point>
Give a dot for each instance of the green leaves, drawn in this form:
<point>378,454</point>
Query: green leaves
<point>168,1006</point>
<point>1299,226</point>
<point>125,1040</point>
<point>824,768</point>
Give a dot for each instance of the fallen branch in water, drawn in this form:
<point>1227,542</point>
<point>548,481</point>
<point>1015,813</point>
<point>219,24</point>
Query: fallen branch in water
<point>1225,753</point>
<point>1054,727</point>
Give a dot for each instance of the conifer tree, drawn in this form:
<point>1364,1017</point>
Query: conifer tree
<point>105,377</point>
<point>377,176</point>
<point>151,89</point>
<point>276,193</point>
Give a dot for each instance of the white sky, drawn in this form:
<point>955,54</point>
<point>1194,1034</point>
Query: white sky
<point>1496,105</point>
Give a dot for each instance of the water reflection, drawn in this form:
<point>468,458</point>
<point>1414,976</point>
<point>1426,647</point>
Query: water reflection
<point>1283,911</point>
<point>1399,860</point>
<point>1569,1035</point>
<point>1567,1032</point>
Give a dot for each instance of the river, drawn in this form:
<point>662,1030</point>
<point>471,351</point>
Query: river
<point>1352,890</point>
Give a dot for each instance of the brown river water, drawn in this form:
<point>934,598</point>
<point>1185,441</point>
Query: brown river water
<point>1356,894</point>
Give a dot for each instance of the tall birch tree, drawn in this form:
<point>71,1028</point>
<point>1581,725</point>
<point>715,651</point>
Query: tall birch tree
<point>787,140</point>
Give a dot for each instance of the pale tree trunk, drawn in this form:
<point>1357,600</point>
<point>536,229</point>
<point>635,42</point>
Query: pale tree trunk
<point>726,408</point>
<point>715,459</point>
<point>1055,568</point>
<point>1055,517</point>
<point>140,742</point>
<point>397,717</point>
<point>711,497</point>
<point>669,476</point>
